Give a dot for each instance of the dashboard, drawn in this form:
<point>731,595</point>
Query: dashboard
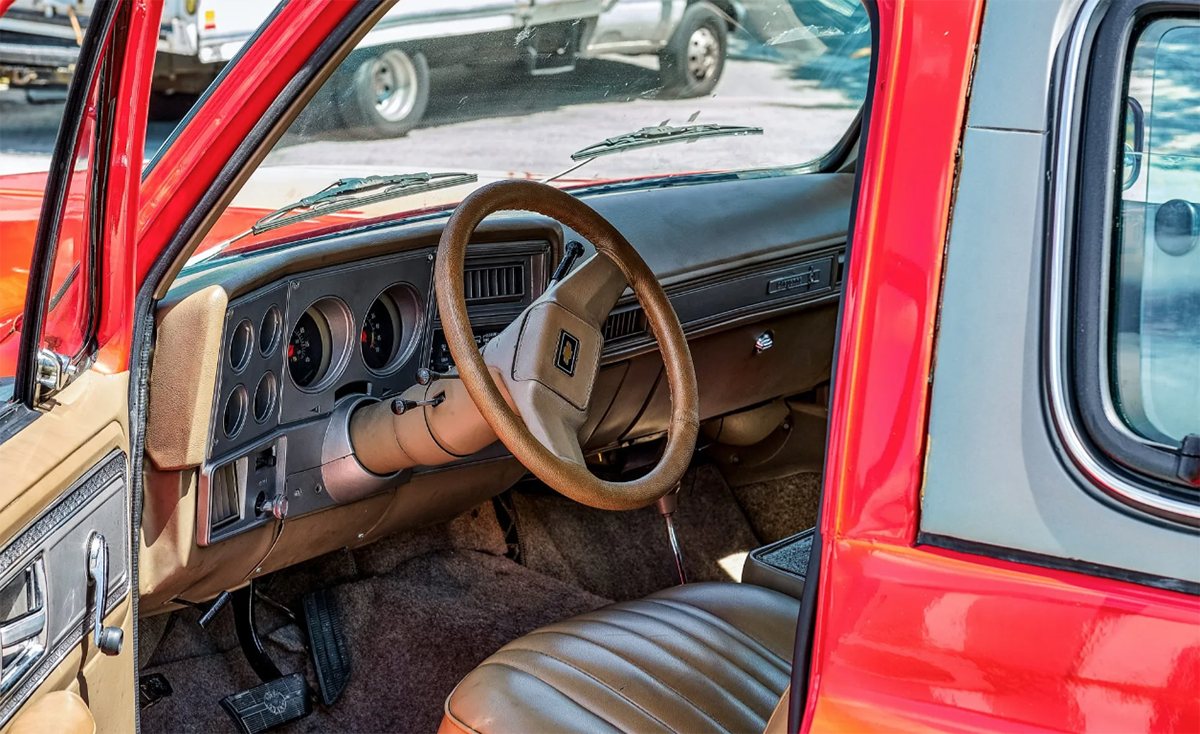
<point>261,357</point>
<point>298,348</point>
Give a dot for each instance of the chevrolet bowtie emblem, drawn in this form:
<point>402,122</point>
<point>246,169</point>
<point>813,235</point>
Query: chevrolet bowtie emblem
<point>567,353</point>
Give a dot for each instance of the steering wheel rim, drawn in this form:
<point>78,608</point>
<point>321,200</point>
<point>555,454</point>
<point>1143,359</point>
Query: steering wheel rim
<point>567,477</point>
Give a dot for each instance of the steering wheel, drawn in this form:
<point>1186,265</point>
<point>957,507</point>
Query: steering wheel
<point>544,365</point>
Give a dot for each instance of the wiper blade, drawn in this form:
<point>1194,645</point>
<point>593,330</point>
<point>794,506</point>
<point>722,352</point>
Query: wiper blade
<point>661,134</point>
<point>348,193</point>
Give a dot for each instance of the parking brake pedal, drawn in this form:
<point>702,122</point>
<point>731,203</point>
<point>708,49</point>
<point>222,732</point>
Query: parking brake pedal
<point>273,703</point>
<point>327,641</point>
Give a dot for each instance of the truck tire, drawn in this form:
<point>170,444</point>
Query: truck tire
<point>170,107</point>
<point>387,94</point>
<point>691,63</point>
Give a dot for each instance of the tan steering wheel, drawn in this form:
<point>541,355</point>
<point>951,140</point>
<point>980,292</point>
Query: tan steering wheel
<point>547,360</point>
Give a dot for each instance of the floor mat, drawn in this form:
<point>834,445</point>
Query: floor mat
<point>626,555</point>
<point>413,633</point>
<point>781,507</point>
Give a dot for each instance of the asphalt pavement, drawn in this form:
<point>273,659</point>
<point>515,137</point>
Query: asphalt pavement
<point>499,122</point>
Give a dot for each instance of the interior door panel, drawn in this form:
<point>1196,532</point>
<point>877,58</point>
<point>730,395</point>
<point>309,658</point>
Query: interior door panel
<point>80,444</point>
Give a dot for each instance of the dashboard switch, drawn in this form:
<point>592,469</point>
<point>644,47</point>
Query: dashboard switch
<point>425,376</point>
<point>276,507</point>
<point>400,406</point>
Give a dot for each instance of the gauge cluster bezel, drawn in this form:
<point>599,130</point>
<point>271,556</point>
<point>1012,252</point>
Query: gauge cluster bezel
<point>344,294</point>
<point>298,417</point>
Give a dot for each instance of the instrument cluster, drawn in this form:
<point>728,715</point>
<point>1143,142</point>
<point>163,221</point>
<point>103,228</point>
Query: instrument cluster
<point>295,348</point>
<point>325,336</point>
<point>300,350</point>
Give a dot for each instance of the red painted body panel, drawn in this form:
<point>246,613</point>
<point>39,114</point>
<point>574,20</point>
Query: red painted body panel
<point>914,638</point>
<point>121,281</point>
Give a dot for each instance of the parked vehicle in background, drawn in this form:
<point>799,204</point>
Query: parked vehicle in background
<point>388,89</point>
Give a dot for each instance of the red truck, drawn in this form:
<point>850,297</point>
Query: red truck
<point>903,437</point>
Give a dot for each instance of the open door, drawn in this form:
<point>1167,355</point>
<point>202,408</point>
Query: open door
<point>67,608</point>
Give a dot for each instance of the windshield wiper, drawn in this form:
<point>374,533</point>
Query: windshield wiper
<point>648,137</point>
<point>348,193</point>
<point>343,194</point>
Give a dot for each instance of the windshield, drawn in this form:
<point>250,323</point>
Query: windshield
<point>634,91</point>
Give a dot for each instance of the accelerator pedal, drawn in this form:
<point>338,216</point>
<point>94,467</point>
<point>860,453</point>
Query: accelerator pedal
<point>273,703</point>
<point>327,641</point>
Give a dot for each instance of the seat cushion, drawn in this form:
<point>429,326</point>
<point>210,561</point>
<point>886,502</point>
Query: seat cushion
<point>709,657</point>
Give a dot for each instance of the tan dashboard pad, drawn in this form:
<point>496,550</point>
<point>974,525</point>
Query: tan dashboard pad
<point>544,437</point>
<point>183,379</point>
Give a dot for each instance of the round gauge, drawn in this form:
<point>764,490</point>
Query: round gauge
<point>391,328</point>
<point>235,412</point>
<point>264,397</point>
<point>268,331</point>
<point>239,345</point>
<point>379,331</point>
<point>309,348</point>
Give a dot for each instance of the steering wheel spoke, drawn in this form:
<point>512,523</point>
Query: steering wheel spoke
<point>591,290</point>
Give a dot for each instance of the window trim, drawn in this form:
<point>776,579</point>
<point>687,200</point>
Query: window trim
<point>94,56</point>
<point>1083,190</point>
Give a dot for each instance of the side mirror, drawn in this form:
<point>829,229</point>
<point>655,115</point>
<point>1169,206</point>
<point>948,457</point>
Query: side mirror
<point>1135,142</point>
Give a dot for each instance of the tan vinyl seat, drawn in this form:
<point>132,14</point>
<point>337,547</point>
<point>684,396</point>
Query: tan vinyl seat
<point>706,657</point>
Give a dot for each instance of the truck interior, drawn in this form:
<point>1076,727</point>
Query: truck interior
<point>333,538</point>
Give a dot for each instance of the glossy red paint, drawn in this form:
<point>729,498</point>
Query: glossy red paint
<point>119,286</point>
<point>20,206</point>
<point>915,638</point>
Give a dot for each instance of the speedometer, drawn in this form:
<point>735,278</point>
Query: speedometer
<point>309,348</point>
<point>379,330</point>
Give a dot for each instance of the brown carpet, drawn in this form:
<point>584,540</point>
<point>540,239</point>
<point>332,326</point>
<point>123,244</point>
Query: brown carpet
<point>626,555</point>
<point>422,609</point>
<point>781,507</point>
<point>420,612</point>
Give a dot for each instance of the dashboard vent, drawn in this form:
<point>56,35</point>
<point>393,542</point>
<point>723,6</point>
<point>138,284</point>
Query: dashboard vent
<point>224,503</point>
<point>621,324</point>
<point>494,283</point>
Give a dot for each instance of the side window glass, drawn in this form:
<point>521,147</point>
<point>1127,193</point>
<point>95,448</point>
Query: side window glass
<point>32,116</point>
<point>1155,339</point>
<point>66,328</point>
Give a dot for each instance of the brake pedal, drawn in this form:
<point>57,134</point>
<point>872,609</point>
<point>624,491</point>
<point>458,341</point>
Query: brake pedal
<point>273,703</point>
<point>327,641</point>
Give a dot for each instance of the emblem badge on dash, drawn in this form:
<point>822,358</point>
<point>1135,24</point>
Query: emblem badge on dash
<point>567,353</point>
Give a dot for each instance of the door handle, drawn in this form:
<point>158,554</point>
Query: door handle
<point>106,639</point>
<point>23,637</point>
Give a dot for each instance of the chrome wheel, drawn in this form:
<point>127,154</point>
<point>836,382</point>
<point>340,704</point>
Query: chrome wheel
<point>394,85</point>
<point>703,54</point>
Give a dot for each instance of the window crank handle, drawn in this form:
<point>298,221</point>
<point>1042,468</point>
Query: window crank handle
<point>107,639</point>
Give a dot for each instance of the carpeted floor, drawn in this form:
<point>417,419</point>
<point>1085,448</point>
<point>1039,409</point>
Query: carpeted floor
<point>422,609</point>
<point>415,629</point>
<point>777,508</point>
<point>626,555</point>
